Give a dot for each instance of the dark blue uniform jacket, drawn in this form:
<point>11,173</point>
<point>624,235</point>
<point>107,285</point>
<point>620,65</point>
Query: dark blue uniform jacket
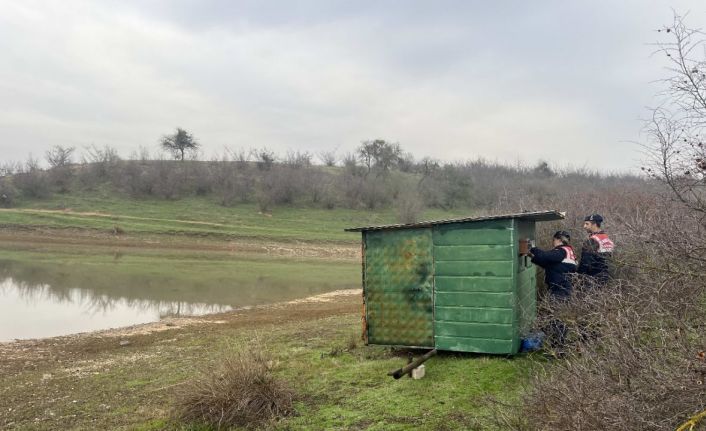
<point>556,269</point>
<point>593,262</point>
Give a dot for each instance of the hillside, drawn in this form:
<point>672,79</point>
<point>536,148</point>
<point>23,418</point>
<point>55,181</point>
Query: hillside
<point>197,217</point>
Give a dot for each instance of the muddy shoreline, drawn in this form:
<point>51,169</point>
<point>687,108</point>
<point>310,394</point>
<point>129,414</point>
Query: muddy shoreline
<point>21,355</point>
<point>30,238</point>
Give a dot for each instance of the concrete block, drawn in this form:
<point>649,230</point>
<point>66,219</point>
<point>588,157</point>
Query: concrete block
<point>418,372</point>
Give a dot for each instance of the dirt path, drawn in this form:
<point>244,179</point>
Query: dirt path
<point>72,237</point>
<point>69,211</point>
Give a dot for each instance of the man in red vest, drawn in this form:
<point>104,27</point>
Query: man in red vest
<point>558,264</point>
<point>596,250</point>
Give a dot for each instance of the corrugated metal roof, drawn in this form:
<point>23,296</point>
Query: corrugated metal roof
<point>547,215</point>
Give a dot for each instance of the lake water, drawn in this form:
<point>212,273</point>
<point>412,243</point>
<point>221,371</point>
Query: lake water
<point>42,300</point>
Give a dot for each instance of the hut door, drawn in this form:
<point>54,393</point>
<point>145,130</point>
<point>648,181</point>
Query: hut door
<point>399,279</point>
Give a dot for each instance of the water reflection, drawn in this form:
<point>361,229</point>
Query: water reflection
<point>41,300</point>
<point>92,304</point>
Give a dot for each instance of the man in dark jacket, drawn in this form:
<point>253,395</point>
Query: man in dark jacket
<point>558,263</point>
<point>596,251</point>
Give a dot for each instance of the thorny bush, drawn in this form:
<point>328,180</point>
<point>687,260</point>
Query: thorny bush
<point>635,350</point>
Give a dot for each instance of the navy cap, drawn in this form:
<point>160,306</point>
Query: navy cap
<point>562,233</point>
<point>596,218</point>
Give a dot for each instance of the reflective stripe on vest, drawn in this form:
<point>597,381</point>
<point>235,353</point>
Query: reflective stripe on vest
<point>570,256</point>
<point>605,245</point>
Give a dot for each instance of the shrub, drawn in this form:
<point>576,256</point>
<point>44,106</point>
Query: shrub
<point>409,207</point>
<point>60,172</point>
<point>32,181</point>
<point>240,390</point>
<point>8,192</point>
<point>98,165</point>
<point>169,179</point>
<point>634,356</point>
<point>137,178</point>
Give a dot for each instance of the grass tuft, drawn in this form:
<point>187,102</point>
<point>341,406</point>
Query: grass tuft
<point>241,390</point>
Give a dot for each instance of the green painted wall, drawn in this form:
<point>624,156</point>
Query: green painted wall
<point>474,309</point>
<point>526,281</point>
<point>398,279</point>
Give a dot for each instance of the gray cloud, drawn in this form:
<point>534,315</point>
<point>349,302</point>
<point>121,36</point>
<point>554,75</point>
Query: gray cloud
<point>562,81</point>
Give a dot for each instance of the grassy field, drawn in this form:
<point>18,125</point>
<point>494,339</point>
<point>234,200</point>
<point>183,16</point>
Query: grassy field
<point>93,383</point>
<point>198,216</point>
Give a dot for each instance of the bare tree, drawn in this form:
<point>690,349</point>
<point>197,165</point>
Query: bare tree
<point>350,165</point>
<point>98,164</point>
<point>264,158</point>
<point>328,158</point>
<point>543,170</point>
<point>179,143</point>
<point>9,168</point>
<point>58,156</point>
<point>297,159</point>
<point>405,161</point>
<point>676,146</point>
<point>61,173</point>
<point>224,178</point>
<point>31,180</point>
<point>241,156</point>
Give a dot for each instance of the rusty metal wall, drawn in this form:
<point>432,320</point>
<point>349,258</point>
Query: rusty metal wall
<point>398,287</point>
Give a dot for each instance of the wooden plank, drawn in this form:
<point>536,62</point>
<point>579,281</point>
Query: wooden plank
<point>478,225</point>
<point>461,236</point>
<point>475,268</point>
<point>474,329</point>
<point>466,344</point>
<point>473,284</point>
<point>475,299</point>
<point>473,252</point>
<point>473,314</point>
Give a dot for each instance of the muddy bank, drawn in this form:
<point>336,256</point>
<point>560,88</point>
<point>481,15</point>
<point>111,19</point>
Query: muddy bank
<point>30,238</point>
<point>29,354</point>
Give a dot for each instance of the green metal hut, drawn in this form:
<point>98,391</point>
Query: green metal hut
<point>460,285</point>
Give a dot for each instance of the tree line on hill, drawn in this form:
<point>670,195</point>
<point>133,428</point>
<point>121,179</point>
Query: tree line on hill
<point>379,174</point>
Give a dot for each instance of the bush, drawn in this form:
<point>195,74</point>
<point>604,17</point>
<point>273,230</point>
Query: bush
<point>60,172</point>
<point>238,391</point>
<point>98,165</point>
<point>375,193</point>
<point>32,181</point>
<point>409,207</point>
<point>634,356</point>
<point>8,193</point>
<point>137,178</point>
<point>633,360</point>
<point>169,179</point>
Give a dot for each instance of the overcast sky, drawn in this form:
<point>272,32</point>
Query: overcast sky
<point>515,80</point>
